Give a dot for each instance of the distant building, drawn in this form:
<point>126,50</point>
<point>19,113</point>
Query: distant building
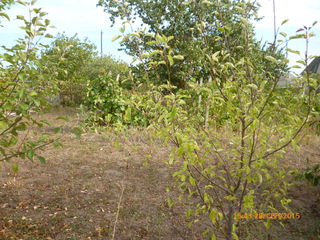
<point>288,79</point>
<point>314,66</point>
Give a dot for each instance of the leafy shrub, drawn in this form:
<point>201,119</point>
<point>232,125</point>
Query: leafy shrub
<point>316,116</point>
<point>312,175</point>
<point>21,91</point>
<point>108,103</point>
<point>108,65</point>
<point>233,168</point>
<point>229,134</point>
<point>64,63</point>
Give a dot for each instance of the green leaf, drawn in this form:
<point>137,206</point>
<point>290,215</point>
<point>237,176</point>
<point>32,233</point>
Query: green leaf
<point>244,21</point>
<point>192,181</point>
<point>206,2</point>
<point>30,154</point>
<point>296,66</point>
<point>32,94</point>
<point>123,29</point>
<point>253,86</point>
<point>127,115</point>
<point>206,198</point>
<point>170,202</point>
<point>230,198</point>
<point>57,130</point>
<point>298,36</point>
<point>20,17</point>
<point>42,14</point>
<point>283,34</point>
<point>34,19</point>
<point>267,224</point>
<point>293,51</point>
<point>189,213</point>
<point>170,38</point>
<point>47,22</point>
<point>159,38</point>
<point>301,62</point>
<point>260,178</point>
<point>57,144</point>
<point>41,159</point>
<point>22,2</point>
<point>2,14</point>
<point>37,102</point>
<point>212,216</point>
<point>77,131</point>
<point>3,125</point>
<point>115,38</point>
<point>15,168</point>
<point>271,59</point>
<point>235,236</point>
<point>64,118</point>
<point>151,43</point>
<point>170,60</point>
<point>178,57</point>
<point>21,127</point>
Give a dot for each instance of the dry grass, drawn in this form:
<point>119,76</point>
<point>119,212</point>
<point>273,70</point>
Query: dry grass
<point>76,194</point>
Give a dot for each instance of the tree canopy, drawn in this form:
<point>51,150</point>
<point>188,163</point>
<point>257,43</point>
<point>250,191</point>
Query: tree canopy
<point>194,25</point>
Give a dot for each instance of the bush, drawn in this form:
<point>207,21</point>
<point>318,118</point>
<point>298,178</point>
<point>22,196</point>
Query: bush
<point>108,65</point>
<point>21,90</point>
<point>64,63</point>
<point>312,175</point>
<point>228,158</point>
<point>108,103</point>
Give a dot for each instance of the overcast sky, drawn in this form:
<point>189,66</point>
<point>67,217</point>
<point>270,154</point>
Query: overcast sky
<point>87,20</point>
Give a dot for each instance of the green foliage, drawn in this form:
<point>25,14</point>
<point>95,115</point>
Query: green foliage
<point>107,103</point>
<point>108,65</point>
<point>21,97</point>
<point>65,64</point>
<point>198,28</point>
<point>229,132</point>
<point>312,175</point>
<point>5,4</point>
<point>315,121</point>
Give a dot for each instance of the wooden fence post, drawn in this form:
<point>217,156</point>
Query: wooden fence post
<point>207,106</point>
<point>200,97</point>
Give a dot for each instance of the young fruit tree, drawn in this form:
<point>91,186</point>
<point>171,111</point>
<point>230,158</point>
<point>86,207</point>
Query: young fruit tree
<point>22,90</point>
<point>229,164</point>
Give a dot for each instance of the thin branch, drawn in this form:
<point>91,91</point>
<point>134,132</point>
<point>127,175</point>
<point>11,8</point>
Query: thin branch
<point>15,122</point>
<point>212,182</point>
<point>118,211</point>
<point>21,152</point>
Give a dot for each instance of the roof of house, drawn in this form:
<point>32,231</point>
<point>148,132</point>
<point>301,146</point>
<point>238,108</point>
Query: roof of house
<point>314,66</point>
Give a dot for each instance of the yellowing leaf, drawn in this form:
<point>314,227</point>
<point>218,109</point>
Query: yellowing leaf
<point>115,38</point>
<point>178,57</point>
<point>3,125</point>
<point>271,59</point>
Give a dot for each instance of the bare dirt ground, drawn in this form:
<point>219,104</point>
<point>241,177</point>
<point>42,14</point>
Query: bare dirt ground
<point>105,184</point>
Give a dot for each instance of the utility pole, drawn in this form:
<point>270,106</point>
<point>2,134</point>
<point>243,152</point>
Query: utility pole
<point>274,22</point>
<point>101,45</point>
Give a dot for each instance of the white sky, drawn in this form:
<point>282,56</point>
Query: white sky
<point>84,18</point>
<point>299,13</point>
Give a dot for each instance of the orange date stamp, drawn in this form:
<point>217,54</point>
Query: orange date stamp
<point>265,216</point>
